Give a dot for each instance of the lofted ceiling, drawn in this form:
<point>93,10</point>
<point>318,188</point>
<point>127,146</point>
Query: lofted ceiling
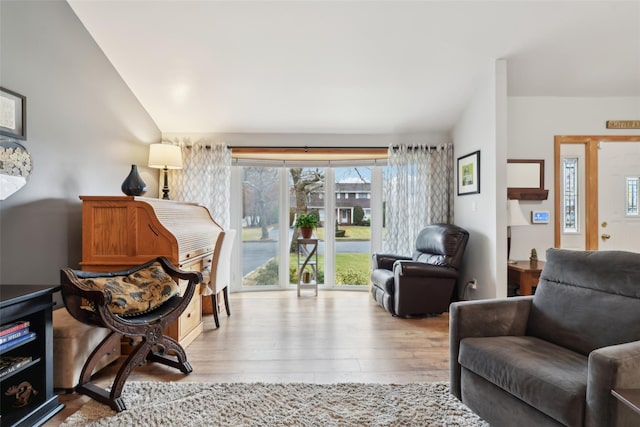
<point>356,66</point>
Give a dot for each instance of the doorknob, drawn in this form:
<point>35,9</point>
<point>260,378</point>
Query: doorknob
<point>605,236</point>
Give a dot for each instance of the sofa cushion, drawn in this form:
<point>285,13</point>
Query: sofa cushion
<point>587,300</point>
<point>543,375</point>
<point>139,292</point>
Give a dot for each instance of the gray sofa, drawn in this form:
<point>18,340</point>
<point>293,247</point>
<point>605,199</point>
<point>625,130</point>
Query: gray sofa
<point>552,359</point>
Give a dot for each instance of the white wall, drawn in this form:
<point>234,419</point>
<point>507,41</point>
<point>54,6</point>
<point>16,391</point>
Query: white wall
<point>84,130</point>
<point>532,124</point>
<point>482,126</point>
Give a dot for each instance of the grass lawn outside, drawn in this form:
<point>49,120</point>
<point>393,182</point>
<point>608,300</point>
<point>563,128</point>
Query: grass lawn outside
<point>351,269</point>
<point>353,232</point>
<point>251,234</point>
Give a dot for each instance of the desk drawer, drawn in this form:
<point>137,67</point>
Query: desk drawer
<point>192,316</point>
<point>199,264</point>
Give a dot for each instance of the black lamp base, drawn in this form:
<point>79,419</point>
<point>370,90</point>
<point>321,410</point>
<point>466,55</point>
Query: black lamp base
<point>165,189</point>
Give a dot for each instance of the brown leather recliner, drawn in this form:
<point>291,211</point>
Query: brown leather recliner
<point>425,282</point>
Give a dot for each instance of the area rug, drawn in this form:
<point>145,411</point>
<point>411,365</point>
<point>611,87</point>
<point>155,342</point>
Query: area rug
<point>282,404</point>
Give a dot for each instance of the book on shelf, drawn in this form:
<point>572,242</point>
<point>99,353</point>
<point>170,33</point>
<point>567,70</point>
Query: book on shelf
<point>9,364</point>
<point>13,327</point>
<point>14,335</point>
<point>17,341</point>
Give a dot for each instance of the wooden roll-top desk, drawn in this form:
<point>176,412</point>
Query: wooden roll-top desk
<point>119,232</point>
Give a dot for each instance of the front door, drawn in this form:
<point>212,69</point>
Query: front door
<point>618,219</point>
<point>601,188</point>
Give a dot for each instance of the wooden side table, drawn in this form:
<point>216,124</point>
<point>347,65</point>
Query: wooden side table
<point>628,396</point>
<point>525,275</point>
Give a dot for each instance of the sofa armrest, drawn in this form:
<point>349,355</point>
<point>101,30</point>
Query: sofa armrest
<point>616,366</point>
<point>385,261</point>
<point>484,318</point>
<point>421,269</point>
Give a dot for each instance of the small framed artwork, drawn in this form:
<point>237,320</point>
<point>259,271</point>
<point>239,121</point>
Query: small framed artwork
<point>13,114</point>
<point>469,174</point>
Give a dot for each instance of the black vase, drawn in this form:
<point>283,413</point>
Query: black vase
<point>133,185</point>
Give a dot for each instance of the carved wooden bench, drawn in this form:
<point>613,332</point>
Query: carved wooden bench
<point>138,303</point>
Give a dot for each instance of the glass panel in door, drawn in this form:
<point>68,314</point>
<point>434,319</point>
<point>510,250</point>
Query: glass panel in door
<point>353,226</point>
<point>260,218</point>
<point>306,196</point>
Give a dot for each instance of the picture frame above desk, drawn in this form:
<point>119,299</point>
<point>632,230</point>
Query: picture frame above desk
<point>13,114</point>
<point>525,179</point>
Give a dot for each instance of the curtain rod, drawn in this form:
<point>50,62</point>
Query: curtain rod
<point>305,148</point>
<point>415,146</point>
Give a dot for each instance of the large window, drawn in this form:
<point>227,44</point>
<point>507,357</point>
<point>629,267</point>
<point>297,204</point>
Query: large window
<point>272,197</point>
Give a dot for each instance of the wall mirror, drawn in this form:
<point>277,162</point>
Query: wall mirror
<point>525,179</point>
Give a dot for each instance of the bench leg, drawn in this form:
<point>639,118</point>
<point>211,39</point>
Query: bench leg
<point>106,347</point>
<point>86,387</point>
<point>161,350</point>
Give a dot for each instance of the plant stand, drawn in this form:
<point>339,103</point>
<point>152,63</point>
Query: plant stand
<point>308,257</point>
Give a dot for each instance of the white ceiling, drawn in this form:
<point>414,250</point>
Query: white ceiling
<point>356,66</point>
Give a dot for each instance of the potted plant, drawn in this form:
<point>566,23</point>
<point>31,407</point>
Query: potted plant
<point>306,223</point>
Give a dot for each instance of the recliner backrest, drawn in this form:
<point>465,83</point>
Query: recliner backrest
<point>587,299</point>
<point>441,244</point>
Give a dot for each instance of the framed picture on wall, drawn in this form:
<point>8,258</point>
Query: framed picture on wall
<point>13,114</point>
<point>469,174</point>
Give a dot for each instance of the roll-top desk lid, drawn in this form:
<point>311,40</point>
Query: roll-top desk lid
<point>153,227</point>
<point>191,224</point>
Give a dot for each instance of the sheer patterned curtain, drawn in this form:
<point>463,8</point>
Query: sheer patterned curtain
<point>419,182</point>
<point>205,178</point>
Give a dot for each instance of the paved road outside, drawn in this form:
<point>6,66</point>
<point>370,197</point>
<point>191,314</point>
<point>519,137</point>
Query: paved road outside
<point>257,253</point>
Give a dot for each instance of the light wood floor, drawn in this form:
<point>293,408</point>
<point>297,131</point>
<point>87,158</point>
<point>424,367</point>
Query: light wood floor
<point>338,336</point>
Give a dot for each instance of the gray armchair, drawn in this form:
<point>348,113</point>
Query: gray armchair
<point>423,283</point>
<point>552,359</point>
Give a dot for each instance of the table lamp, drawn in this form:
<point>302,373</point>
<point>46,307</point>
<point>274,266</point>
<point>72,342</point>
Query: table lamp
<point>165,156</point>
<point>514,218</point>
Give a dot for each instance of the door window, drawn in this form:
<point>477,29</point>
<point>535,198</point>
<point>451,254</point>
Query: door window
<point>260,219</point>
<point>632,196</point>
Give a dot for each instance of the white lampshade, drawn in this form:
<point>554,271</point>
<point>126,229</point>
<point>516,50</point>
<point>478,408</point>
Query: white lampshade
<point>514,214</point>
<point>165,156</point>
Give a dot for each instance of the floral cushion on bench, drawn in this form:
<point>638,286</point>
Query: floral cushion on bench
<point>139,292</point>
